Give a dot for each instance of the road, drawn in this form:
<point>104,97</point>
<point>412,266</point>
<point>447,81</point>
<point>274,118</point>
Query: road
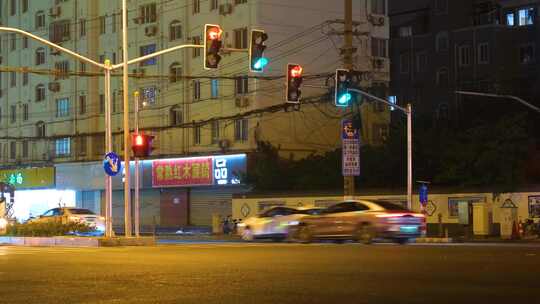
<point>271,273</point>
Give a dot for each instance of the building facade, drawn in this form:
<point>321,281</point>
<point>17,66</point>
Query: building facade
<point>440,46</point>
<point>52,106</point>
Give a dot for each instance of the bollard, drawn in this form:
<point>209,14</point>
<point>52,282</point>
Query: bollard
<point>439,216</point>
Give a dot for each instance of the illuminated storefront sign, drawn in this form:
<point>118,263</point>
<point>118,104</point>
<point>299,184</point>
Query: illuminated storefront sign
<point>29,178</point>
<point>198,171</point>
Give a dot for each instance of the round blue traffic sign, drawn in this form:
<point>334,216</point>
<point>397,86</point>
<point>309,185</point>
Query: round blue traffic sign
<point>112,164</point>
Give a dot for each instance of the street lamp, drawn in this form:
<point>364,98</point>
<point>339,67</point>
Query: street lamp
<point>515,98</point>
<point>408,112</point>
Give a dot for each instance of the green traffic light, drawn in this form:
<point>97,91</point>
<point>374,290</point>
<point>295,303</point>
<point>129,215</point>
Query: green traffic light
<point>344,99</point>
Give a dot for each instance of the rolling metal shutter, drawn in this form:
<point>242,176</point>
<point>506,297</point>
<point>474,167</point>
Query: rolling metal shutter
<point>207,201</point>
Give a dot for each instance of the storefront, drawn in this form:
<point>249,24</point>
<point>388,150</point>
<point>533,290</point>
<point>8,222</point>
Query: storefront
<point>174,192</point>
<point>35,191</point>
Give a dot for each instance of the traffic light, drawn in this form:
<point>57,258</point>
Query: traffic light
<point>257,61</point>
<point>294,81</point>
<point>141,144</point>
<point>212,46</point>
<point>342,97</point>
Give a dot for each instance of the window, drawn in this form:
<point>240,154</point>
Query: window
<point>62,146</point>
<point>441,6</point>
<point>215,131</point>
<point>196,90</point>
<point>145,50</point>
<point>113,22</point>
<point>442,112</point>
<point>148,13</point>
<point>0,121</point>
<point>40,56</point>
<point>526,16</point>
<point>62,69</point>
<point>197,135</point>
<point>83,67</point>
<point>12,79</point>
<point>214,88</point>
<point>241,129</point>
<point>510,19</point>
<point>102,25</point>
<point>101,103</point>
<point>464,55</point>
<point>13,150</point>
<point>421,61</point>
<point>176,117</point>
<point>13,114</point>
<point>25,149</point>
<point>40,92</point>
<point>442,77</point>
<point>59,31</point>
<point>62,107</point>
<point>196,51</point>
<point>441,42</point>
<point>24,6</point>
<point>175,72</point>
<point>196,6</point>
<point>13,7</point>
<point>241,38</point>
<point>527,54</point>
<point>12,42</point>
<point>378,7</point>
<point>213,5</point>
<point>453,210</point>
<point>379,47</point>
<point>241,85</point>
<point>404,63</point>
<point>25,112</point>
<point>239,1</point>
<point>113,102</point>
<point>148,95</point>
<point>25,42</point>
<point>82,27</point>
<point>40,129</point>
<point>40,20</point>
<point>483,53</point>
<point>82,104</point>
<point>175,30</point>
<point>405,31</point>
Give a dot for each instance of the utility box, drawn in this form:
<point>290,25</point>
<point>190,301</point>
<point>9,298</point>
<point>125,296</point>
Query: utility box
<point>217,228</point>
<point>509,216</point>
<point>480,219</point>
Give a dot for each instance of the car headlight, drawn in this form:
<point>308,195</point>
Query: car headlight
<point>241,225</point>
<point>74,218</point>
<point>293,223</point>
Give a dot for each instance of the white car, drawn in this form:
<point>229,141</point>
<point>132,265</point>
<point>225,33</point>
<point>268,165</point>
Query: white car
<point>67,214</point>
<point>273,223</point>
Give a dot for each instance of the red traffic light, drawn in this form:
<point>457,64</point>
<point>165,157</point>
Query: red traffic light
<point>296,71</point>
<point>139,140</point>
<point>142,145</point>
<point>214,33</point>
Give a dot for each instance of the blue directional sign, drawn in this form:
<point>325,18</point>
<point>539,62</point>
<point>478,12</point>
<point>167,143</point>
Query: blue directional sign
<point>112,164</point>
<point>423,193</point>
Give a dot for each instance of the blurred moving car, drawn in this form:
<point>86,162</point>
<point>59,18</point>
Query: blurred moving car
<point>363,221</point>
<point>69,214</point>
<point>273,224</point>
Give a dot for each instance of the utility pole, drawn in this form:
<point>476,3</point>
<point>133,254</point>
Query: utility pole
<point>127,189</point>
<point>348,181</point>
<point>137,177</point>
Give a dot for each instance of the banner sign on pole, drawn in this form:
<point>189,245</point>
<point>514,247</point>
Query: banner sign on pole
<point>350,138</point>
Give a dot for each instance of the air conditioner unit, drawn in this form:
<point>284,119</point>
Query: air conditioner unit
<point>54,52</point>
<point>55,11</point>
<point>378,63</point>
<point>150,30</point>
<point>224,143</point>
<point>54,86</point>
<point>225,9</point>
<point>241,101</point>
<point>138,20</point>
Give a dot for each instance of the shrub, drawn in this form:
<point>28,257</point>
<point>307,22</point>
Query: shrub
<point>53,228</point>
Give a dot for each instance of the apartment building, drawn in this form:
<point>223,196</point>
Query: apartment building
<point>53,116</point>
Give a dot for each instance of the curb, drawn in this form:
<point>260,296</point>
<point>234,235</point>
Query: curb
<point>434,240</point>
<point>75,241</point>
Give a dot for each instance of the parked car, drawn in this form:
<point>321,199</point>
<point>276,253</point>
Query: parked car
<point>68,214</point>
<point>362,220</point>
<point>273,223</point>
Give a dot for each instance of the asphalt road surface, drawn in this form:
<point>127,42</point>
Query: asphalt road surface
<point>272,273</point>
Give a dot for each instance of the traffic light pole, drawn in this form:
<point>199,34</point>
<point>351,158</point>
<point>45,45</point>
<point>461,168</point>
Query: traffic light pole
<point>108,144</point>
<point>407,111</point>
<point>137,181</point>
<point>348,181</point>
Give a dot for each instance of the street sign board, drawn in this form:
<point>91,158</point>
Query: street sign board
<point>112,164</point>
<point>350,137</point>
<point>423,193</point>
